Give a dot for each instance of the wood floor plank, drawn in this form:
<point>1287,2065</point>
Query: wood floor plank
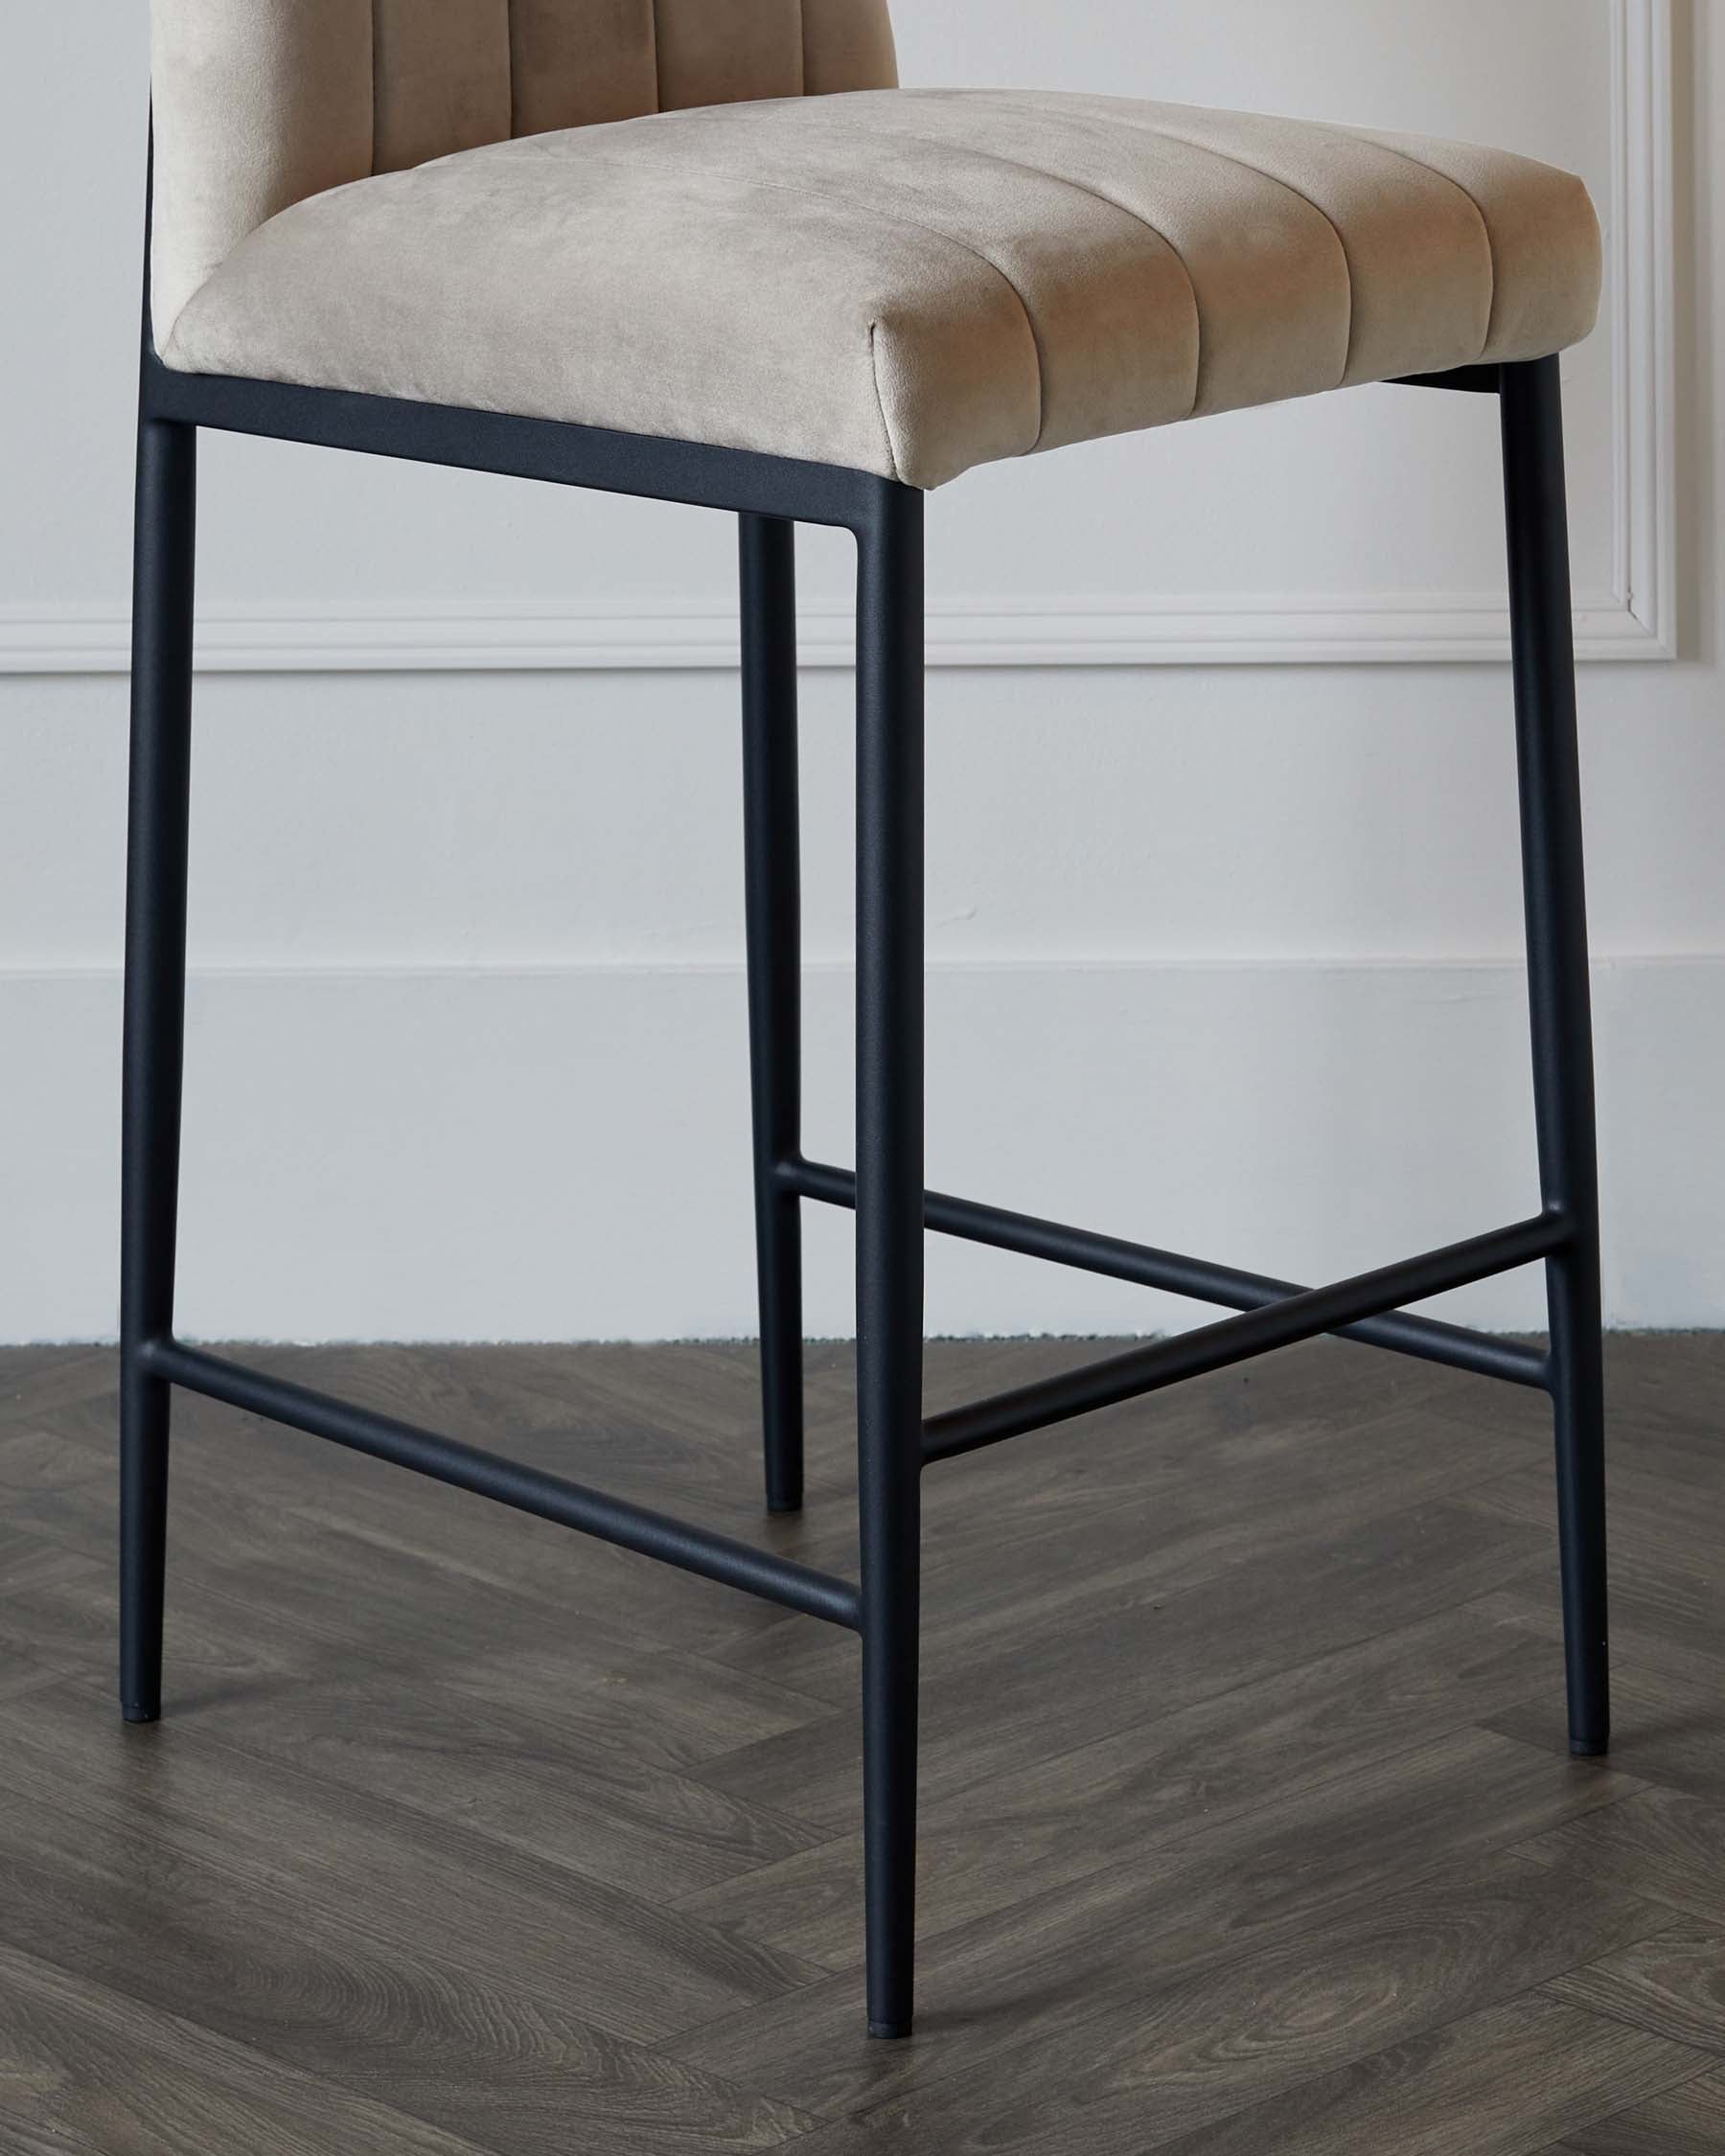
<point>1648,1505</point>
<point>261,1590</point>
<point>1249,1461</point>
<point>20,1671</point>
<point>1673,1984</point>
<point>1116,1655</point>
<point>501,1771</point>
<point>320,1983</point>
<point>1665,1727</point>
<point>1657,1527</point>
<point>1662,1845</point>
<point>29,1559</point>
<point>1662,1400</point>
<point>37,1457</point>
<point>1331,1759</point>
<point>1496,2084</point>
<point>1051,1975</point>
<point>321,1547</point>
<point>1688,2121</point>
<point>258,1494</point>
<point>639,1970</point>
<point>662,1706</point>
<point>55,1607</point>
<point>997,1534</point>
<point>64,1612</point>
<point>269,1607</point>
<point>625,1418</point>
<point>36,1381</point>
<point>81,2069</point>
<point>1106,2052</point>
<point>1671,1624</point>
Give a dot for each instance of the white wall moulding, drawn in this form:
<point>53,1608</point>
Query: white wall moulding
<point>1405,630</point>
<point>1279,1137</point>
<point>1642,321</point>
<point>1634,619</point>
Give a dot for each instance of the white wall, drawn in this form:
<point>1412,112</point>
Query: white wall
<point>1224,954</point>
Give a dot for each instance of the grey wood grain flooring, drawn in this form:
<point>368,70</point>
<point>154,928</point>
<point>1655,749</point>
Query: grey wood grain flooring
<point>1249,1825</point>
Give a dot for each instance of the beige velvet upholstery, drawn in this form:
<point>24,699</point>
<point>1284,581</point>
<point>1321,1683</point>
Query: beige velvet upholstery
<point>634,214</point>
<point>908,283</point>
<point>262,103</point>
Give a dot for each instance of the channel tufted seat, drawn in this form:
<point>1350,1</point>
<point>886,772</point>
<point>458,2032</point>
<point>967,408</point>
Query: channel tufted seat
<point>906,282</point>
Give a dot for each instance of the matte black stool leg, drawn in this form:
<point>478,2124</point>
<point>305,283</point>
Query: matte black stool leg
<point>889,1227</point>
<point>156,1000</point>
<point>772,843</point>
<point>1557,978</point>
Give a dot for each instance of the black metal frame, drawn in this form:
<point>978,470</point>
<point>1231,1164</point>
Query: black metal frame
<point>771,496</point>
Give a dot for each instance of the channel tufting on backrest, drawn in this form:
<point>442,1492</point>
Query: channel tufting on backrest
<point>259,103</point>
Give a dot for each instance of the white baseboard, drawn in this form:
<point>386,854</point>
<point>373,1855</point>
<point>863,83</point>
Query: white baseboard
<point>563,1154</point>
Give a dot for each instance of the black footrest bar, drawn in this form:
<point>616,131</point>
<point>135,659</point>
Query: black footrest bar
<point>654,1534</point>
<point>1213,1347</point>
<point>1429,1339</point>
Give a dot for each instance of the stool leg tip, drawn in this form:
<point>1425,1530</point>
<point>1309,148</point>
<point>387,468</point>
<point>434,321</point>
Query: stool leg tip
<point>894,2030</point>
<point>142,1713</point>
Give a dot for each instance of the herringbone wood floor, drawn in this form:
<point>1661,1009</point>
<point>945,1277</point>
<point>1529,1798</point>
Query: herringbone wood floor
<point>1248,1824</point>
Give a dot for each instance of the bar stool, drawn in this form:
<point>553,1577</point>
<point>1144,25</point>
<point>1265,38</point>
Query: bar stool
<point>706,251</point>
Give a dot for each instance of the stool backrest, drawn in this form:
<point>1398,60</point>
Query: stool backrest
<point>259,103</point>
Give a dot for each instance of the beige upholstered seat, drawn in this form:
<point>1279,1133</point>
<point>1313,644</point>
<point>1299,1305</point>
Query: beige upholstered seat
<point>907,283</point>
